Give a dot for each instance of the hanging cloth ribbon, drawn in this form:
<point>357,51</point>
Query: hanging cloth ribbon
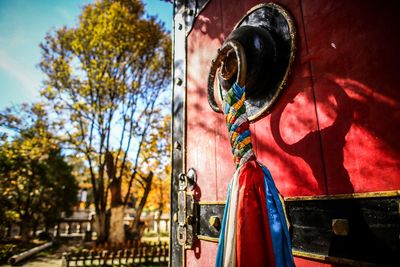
<point>254,230</point>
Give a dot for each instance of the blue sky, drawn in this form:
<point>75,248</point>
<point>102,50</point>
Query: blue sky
<point>23,25</point>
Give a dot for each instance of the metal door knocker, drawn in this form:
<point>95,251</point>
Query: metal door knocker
<point>258,54</point>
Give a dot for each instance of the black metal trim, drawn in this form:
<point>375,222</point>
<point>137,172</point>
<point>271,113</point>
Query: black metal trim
<point>205,212</point>
<point>369,228</point>
<point>178,124</point>
<point>371,237</point>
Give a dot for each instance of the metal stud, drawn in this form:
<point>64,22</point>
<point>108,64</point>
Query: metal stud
<point>214,221</point>
<point>191,178</point>
<point>177,145</point>
<point>340,227</point>
<point>179,81</point>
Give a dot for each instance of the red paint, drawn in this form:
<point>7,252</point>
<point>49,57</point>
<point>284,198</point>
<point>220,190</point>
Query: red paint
<point>287,141</point>
<point>336,127</point>
<point>202,122</point>
<point>355,54</point>
<point>300,262</point>
<point>203,254</point>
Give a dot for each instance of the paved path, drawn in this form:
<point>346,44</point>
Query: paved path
<point>48,258</point>
<point>40,262</point>
<point>43,262</point>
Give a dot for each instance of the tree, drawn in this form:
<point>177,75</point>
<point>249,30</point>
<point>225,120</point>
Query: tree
<point>36,182</point>
<point>159,144</point>
<point>156,154</point>
<point>105,83</point>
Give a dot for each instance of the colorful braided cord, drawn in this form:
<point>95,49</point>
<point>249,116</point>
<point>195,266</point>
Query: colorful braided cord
<point>253,230</point>
<point>238,125</point>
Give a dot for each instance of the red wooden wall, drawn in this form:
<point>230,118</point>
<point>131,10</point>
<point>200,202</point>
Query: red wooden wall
<point>336,128</point>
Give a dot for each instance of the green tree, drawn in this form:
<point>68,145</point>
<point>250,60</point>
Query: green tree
<point>36,183</point>
<point>105,83</point>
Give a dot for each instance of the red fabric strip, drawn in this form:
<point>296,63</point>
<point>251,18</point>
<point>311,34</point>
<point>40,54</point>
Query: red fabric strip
<point>254,243</point>
<point>243,127</point>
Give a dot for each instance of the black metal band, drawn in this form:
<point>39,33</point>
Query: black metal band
<point>360,231</point>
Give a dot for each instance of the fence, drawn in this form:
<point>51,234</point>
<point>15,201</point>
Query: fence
<point>128,254</point>
<point>83,228</point>
<point>74,228</point>
<point>66,228</point>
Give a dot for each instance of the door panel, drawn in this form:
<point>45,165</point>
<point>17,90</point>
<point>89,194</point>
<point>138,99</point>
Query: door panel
<point>289,145</point>
<point>280,146</point>
<point>354,56</point>
<point>202,123</point>
<point>333,130</point>
<point>288,141</point>
<point>306,263</point>
<point>204,254</point>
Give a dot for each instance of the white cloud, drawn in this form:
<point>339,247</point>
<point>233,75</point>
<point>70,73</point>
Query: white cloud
<point>19,72</point>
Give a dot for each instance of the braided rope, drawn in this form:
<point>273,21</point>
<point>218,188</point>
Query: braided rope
<point>238,125</point>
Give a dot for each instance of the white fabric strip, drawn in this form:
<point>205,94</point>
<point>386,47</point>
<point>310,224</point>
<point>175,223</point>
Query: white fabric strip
<point>242,119</point>
<point>239,121</point>
<point>230,230</point>
<point>246,157</point>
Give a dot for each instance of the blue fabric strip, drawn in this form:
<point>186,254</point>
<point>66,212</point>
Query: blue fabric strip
<point>277,221</point>
<point>227,107</point>
<point>238,91</point>
<point>220,252</point>
<point>241,137</point>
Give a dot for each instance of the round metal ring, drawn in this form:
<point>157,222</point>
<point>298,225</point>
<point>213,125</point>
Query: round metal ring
<point>218,61</point>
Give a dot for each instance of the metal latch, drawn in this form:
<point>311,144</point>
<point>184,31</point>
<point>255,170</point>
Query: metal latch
<point>186,220</point>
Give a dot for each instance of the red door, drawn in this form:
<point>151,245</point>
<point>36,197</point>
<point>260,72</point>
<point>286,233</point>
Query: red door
<point>333,133</point>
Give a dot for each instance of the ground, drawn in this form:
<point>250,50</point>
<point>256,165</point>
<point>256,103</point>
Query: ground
<point>48,258</point>
<point>53,257</point>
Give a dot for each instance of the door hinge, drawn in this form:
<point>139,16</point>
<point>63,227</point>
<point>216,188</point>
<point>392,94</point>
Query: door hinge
<point>187,210</point>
